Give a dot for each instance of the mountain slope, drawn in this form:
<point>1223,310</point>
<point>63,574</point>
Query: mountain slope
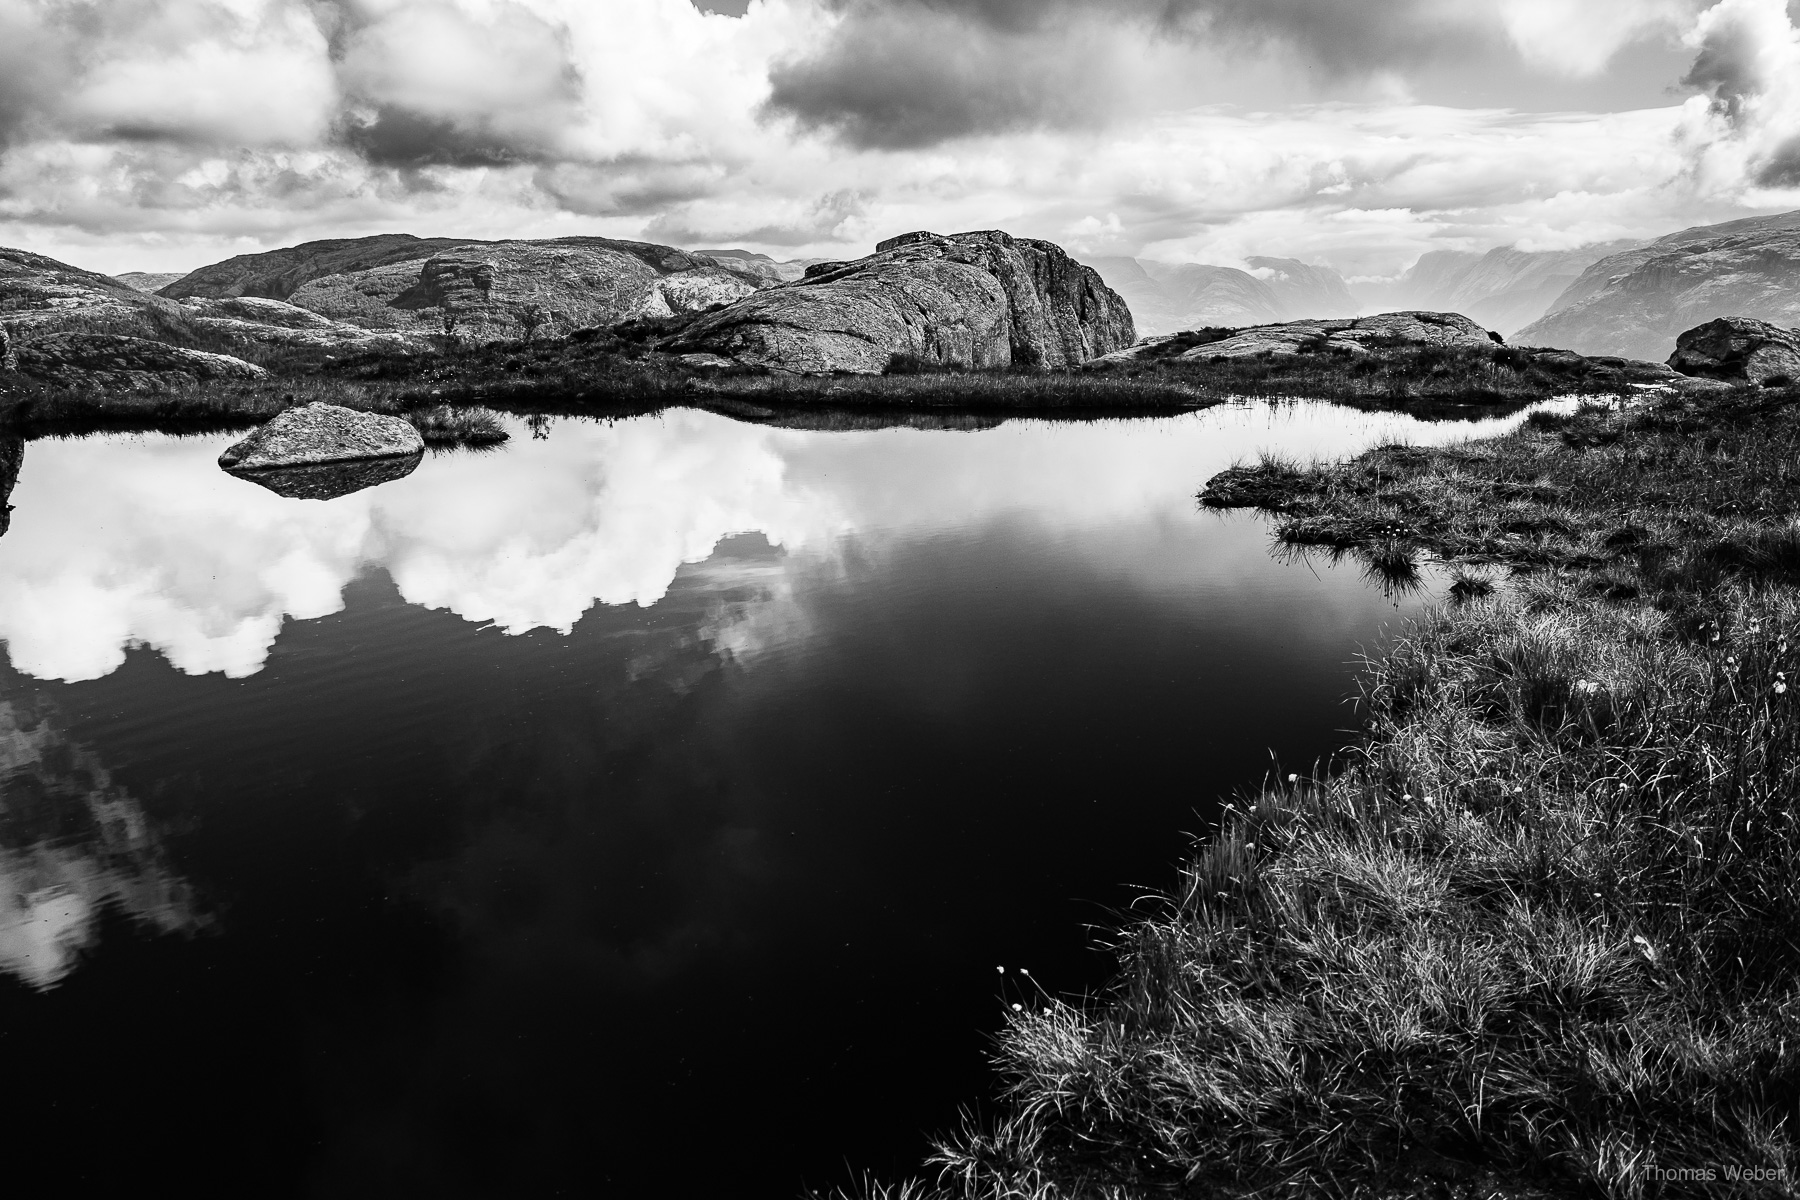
<point>481,290</point>
<point>39,296</point>
<point>1637,302</point>
<point>1504,289</point>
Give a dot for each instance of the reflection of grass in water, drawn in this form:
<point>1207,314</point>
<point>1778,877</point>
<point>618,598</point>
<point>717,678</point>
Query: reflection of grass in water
<point>446,426</point>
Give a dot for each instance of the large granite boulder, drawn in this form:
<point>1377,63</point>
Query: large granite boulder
<point>322,433</point>
<point>1638,302</point>
<point>121,363</point>
<point>1738,348</point>
<point>982,299</point>
<point>1350,335</point>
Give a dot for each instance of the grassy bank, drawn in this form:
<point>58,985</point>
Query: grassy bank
<point>1539,934</point>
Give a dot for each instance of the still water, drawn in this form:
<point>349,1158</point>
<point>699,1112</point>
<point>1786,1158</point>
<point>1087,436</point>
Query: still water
<point>643,808</point>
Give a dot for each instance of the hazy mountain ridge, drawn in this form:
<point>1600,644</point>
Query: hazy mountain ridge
<point>1170,297</point>
<point>1637,302</point>
<point>1504,289</point>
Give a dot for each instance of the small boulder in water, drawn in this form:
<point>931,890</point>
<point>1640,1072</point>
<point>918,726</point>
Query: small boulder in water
<point>322,433</point>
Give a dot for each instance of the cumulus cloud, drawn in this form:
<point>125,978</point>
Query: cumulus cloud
<point>1747,63</point>
<point>436,82</point>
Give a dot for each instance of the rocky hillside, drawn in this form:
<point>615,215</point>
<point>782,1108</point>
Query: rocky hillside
<point>481,291</point>
<point>982,299</point>
<point>39,296</point>
<point>1504,289</point>
<point>1166,297</point>
<point>1636,303</point>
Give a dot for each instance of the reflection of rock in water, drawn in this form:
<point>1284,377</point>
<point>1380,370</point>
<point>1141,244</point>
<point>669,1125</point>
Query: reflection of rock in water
<point>12,457</point>
<point>327,481</point>
<point>72,843</point>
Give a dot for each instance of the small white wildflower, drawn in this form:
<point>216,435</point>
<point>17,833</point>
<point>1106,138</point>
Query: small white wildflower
<point>1002,970</point>
<point>1023,971</point>
<point>1780,687</point>
<point>1018,1008</point>
<point>1293,779</point>
<point>1406,796</point>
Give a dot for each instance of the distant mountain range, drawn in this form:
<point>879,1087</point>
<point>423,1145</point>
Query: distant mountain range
<point>1635,303</point>
<point>1622,298</point>
<point>1170,297</point>
<point>1504,289</point>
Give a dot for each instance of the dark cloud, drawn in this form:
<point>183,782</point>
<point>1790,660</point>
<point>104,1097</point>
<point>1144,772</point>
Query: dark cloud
<point>900,73</point>
<point>724,8</point>
<point>1782,168</point>
<point>395,137</point>
<point>1726,68</point>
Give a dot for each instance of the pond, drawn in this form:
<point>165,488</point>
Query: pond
<point>646,806</point>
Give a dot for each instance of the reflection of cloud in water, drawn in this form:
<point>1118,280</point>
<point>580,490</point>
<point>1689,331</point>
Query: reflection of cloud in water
<point>142,541</point>
<point>71,845</point>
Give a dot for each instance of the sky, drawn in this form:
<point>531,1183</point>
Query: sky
<point>166,134</point>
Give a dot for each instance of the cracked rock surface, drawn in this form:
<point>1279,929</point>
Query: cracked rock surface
<point>983,299</point>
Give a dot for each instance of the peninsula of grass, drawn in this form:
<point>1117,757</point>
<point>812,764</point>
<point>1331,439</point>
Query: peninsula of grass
<point>1538,934</point>
<point>620,371</point>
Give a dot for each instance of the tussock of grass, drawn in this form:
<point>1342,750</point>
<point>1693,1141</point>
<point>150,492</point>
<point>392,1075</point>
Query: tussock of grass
<point>446,426</point>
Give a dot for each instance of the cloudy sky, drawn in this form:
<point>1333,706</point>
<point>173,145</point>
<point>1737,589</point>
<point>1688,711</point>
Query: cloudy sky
<point>163,134</point>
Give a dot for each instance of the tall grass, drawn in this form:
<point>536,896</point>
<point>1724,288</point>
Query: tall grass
<point>1539,933</point>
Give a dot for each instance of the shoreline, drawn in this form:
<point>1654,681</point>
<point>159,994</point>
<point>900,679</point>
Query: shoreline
<point>611,374</point>
<point>1533,935</point>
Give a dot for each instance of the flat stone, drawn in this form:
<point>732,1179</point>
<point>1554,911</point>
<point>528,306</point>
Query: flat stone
<point>322,433</point>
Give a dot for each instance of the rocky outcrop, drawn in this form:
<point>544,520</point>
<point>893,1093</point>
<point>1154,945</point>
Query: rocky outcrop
<point>1637,303</point>
<point>322,433</point>
<point>112,361</point>
<point>1739,349</point>
<point>982,299</point>
<point>255,320</point>
<point>1353,335</point>
<point>9,353</point>
<point>481,291</point>
<point>40,295</point>
<point>1504,289</point>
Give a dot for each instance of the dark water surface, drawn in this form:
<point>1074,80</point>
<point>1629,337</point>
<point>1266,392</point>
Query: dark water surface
<point>640,811</point>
